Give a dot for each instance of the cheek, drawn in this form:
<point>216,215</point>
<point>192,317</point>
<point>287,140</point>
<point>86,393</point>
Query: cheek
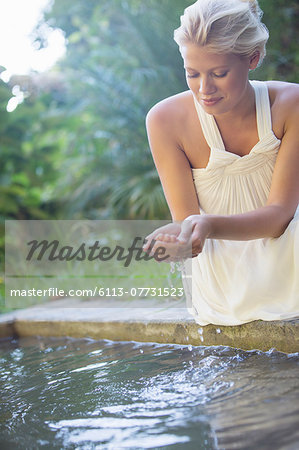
<point>239,80</point>
<point>191,84</point>
<point>234,85</point>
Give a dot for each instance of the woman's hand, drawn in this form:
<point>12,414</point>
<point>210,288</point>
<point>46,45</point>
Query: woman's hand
<point>195,230</point>
<point>180,240</point>
<point>165,237</point>
<point>173,229</point>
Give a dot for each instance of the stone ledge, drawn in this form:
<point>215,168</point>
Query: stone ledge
<point>145,321</point>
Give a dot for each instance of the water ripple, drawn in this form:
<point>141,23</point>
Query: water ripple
<point>67,393</point>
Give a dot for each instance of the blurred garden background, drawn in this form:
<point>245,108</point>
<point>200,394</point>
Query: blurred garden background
<point>72,139</point>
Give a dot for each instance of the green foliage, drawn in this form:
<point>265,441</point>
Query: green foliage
<point>282,59</point>
<point>30,146</point>
<point>121,60</point>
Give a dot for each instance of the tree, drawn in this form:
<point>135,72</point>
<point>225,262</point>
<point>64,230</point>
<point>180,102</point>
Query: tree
<point>120,61</point>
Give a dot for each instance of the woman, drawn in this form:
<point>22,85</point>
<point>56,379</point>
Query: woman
<point>227,153</point>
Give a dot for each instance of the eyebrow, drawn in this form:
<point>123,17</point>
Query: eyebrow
<point>213,68</point>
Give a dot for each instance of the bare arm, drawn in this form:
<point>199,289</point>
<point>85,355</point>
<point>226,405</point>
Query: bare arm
<point>171,162</point>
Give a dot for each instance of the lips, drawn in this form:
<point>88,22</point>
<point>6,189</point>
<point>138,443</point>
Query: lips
<point>211,101</point>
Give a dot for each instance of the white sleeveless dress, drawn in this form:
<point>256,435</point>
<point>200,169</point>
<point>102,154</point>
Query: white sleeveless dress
<point>234,282</point>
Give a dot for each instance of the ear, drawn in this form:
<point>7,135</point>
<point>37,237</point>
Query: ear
<point>253,60</point>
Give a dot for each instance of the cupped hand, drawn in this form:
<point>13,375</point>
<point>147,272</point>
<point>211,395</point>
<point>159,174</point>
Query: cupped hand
<point>195,229</point>
<point>165,237</point>
<point>181,240</point>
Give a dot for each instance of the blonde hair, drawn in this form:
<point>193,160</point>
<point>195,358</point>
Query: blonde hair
<point>224,26</point>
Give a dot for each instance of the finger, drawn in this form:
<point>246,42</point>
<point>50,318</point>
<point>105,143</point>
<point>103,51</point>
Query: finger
<point>169,238</point>
<point>186,231</point>
<point>162,237</point>
<point>197,241</point>
<point>196,236</point>
<point>166,250</point>
<point>146,244</point>
<point>153,236</point>
<point>148,240</point>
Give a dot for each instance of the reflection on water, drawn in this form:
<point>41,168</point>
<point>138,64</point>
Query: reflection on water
<point>83,394</point>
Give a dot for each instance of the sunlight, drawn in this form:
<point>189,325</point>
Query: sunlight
<point>18,55</point>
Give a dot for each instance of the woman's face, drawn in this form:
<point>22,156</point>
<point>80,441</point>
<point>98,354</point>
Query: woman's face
<point>218,81</point>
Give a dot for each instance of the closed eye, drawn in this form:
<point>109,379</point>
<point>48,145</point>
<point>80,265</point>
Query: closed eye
<point>215,75</point>
<point>220,75</point>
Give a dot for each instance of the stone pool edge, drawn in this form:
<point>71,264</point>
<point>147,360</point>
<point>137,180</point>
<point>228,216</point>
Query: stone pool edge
<point>162,324</point>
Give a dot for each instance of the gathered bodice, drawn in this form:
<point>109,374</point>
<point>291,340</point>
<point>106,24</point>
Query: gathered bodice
<point>230,183</point>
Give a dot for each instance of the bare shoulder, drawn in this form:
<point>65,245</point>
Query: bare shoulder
<point>170,111</point>
<point>284,97</point>
<point>283,92</point>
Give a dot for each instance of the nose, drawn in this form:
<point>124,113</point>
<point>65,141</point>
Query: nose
<point>206,86</point>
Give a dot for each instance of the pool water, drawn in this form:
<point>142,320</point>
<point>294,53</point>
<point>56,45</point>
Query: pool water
<point>85,394</point>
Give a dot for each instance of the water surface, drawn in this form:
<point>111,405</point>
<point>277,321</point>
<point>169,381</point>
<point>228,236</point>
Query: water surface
<point>85,394</point>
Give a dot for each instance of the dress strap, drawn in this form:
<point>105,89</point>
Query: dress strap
<point>263,117</point>
<point>263,108</point>
<point>209,127</point>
